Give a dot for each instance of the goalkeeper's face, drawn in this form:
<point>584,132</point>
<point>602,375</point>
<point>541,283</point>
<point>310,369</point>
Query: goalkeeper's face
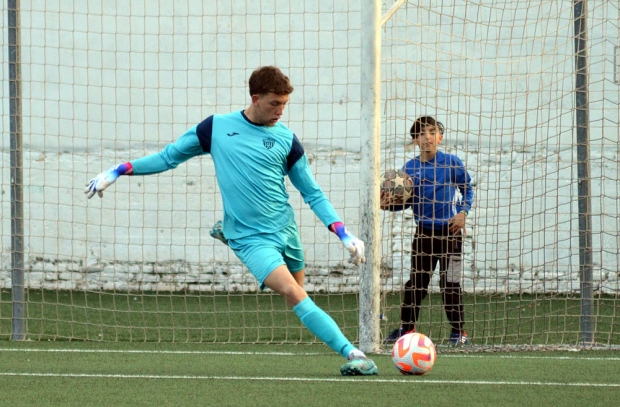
<point>268,108</point>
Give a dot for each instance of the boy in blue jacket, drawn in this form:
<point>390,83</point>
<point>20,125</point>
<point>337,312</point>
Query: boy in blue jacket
<point>440,215</point>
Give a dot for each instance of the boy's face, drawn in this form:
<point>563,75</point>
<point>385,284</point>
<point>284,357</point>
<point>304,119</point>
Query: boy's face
<point>269,108</point>
<point>429,139</point>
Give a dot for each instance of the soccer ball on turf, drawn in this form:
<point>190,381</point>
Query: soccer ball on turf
<point>397,184</point>
<point>414,354</point>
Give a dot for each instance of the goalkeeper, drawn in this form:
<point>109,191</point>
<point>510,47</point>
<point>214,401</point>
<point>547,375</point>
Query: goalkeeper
<point>253,152</point>
<point>440,216</point>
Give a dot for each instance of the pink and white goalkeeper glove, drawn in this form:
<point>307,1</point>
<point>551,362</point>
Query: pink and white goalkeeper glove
<point>105,179</point>
<point>352,243</point>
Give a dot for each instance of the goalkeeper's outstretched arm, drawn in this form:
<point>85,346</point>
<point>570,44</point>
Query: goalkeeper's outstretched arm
<point>186,147</point>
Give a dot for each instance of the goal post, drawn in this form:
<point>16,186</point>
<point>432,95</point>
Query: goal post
<point>370,127</point>
<point>18,322</point>
<point>582,138</point>
<point>372,21</point>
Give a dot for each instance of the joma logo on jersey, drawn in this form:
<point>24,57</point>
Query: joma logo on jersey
<point>268,143</point>
<point>232,134</point>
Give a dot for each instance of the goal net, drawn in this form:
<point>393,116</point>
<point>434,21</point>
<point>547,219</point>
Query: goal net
<point>500,75</point>
<point>102,85</point>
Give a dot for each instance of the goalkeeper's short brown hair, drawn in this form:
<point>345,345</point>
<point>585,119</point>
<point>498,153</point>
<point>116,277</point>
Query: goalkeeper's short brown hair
<point>269,79</point>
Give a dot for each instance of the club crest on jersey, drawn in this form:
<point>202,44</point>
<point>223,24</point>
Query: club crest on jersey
<point>268,143</point>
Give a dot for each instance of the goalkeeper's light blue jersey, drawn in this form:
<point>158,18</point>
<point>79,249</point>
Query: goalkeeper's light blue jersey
<point>251,162</point>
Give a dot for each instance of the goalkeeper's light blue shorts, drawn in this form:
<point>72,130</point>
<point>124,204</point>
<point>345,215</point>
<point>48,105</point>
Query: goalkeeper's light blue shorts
<point>264,252</point>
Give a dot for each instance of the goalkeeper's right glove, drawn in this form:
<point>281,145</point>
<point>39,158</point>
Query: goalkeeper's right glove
<point>352,243</point>
<point>106,178</point>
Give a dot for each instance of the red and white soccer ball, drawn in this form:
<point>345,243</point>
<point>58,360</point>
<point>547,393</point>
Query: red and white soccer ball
<point>414,354</point>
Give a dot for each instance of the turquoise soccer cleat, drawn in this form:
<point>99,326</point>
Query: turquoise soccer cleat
<point>359,367</point>
<point>217,232</point>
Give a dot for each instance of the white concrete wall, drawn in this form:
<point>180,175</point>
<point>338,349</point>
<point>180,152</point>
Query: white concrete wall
<point>113,81</point>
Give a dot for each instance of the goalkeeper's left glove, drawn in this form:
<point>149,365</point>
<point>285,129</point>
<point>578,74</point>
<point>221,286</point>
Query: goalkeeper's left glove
<point>106,178</point>
<point>352,243</point>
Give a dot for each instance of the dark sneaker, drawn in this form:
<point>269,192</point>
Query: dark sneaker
<point>459,339</point>
<point>360,366</point>
<point>397,333</point>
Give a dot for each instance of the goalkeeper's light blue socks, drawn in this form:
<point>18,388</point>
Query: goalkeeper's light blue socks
<point>323,326</point>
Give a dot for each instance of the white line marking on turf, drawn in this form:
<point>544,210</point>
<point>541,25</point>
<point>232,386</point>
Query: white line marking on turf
<point>215,352</point>
<point>531,357</point>
<point>172,352</point>
<point>303,379</point>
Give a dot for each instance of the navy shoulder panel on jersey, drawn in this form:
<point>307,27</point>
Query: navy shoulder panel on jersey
<point>297,151</point>
<point>204,131</point>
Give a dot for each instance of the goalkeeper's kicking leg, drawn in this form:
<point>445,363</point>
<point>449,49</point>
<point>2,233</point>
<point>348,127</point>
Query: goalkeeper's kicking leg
<point>277,262</point>
<point>319,322</point>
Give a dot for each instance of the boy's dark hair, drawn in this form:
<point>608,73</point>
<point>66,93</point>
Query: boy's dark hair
<point>422,122</point>
<point>269,79</point>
